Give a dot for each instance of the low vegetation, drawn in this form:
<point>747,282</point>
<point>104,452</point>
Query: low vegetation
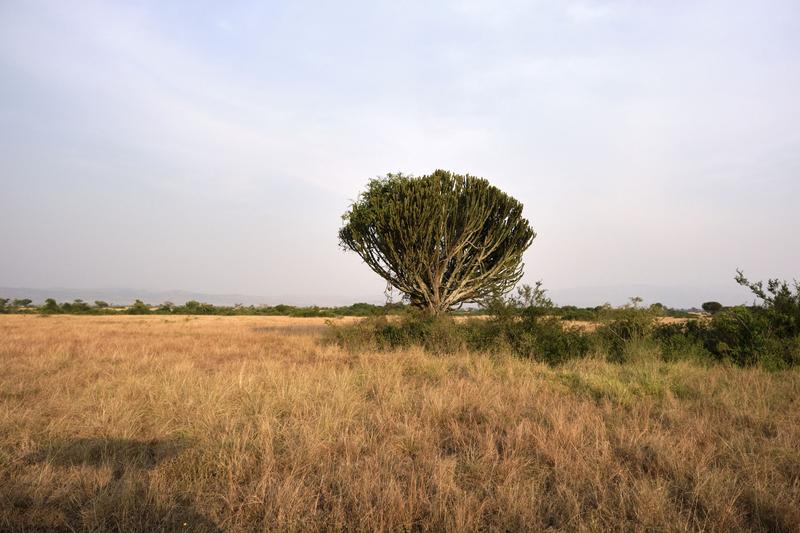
<point>527,325</point>
<point>403,419</point>
<point>192,307</point>
<point>147,423</point>
<point>79,307</point>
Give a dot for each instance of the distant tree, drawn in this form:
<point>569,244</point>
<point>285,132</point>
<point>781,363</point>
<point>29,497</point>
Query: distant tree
<point>3,303</point>
<point>79,306</point>
<point>51,306</point>
<point>711,307</point>
<point>100,304</point>
<point>193,307</point>
<point>22,302</point>
<point>139,308</point>
<point>442,240</point>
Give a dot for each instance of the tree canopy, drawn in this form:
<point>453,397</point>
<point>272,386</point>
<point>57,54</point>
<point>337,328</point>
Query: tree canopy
<point>442,240</point>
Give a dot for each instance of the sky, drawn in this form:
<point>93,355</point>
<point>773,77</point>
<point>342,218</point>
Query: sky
<point>213,146</point>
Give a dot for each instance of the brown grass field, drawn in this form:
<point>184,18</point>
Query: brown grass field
<point>251,424</point>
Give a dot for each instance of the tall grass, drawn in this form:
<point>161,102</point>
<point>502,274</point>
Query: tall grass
<point>251,424</point>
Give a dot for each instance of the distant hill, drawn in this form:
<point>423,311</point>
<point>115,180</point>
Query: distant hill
<point>681,297</point>
<point>121,296</point>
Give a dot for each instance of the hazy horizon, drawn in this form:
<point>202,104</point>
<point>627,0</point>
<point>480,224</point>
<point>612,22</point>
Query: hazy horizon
<point>213,148</point>
<point>679,297</point>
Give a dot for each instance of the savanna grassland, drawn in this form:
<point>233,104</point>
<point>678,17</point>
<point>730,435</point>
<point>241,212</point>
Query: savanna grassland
<point>252,423</point>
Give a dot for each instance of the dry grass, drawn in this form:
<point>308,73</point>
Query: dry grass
<point>247,423</point>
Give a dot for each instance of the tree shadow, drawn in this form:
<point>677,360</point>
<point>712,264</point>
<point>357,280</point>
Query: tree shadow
<point>130,462</point>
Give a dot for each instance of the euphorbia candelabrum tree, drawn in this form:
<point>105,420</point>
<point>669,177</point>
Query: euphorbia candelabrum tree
<point>442,240</point>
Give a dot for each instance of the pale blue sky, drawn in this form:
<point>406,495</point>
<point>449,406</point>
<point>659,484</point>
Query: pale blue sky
<point>213,146</point>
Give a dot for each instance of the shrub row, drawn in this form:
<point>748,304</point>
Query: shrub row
<point>80,307</point>
<point>526,326</point>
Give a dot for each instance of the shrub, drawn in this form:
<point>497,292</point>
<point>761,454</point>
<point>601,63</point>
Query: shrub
<point>743,336</point>
<point>625,325</point>
<point>307,312</point>
<point>681,341</point>
<point>521,325</point>
<point>779,305</point>
<point>436,334</point>
<point>527,325</point>
<point>77,306</point>
<point>739,335</point>
<point>50,306</point>
<point>138,308</point>
<point>362,335</point>
<point>548,341</point>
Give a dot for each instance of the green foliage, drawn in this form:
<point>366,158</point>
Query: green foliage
<point>78,307</point>
<point>193,307</point>
<point>139,308</point>
<point>199,308</point>
<point>682,341</point>
<point>439,334</point>
<point>547,340</point>
<point>4,305</point>
<point>737,334</point>
<point>625,325</point>
<point>780,306</point>
<point>22,302</point>
<point>51,306</point>
<point>442,240</point>
<point>746,337</point>
<point>570,312</point>
<point>767,334</point>
<point>711,307</point>
<point>519,324</point>
<point>313,311</point>
<point>606,312</point>
<point>363,309</point>
<point>526,325</point>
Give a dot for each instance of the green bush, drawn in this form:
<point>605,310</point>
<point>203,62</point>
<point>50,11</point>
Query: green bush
<point>624,326</point>
<point>738,335</point>
<point>570,312</point>
<point>748,336</point>
<point>681,341</point>
<point>779,305</point>
<point>521,325</point>
<point>436,334</point>
<point>548,341</point>
<point>138,308</point>
<point>50,306</point>
<point>78,307</point>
